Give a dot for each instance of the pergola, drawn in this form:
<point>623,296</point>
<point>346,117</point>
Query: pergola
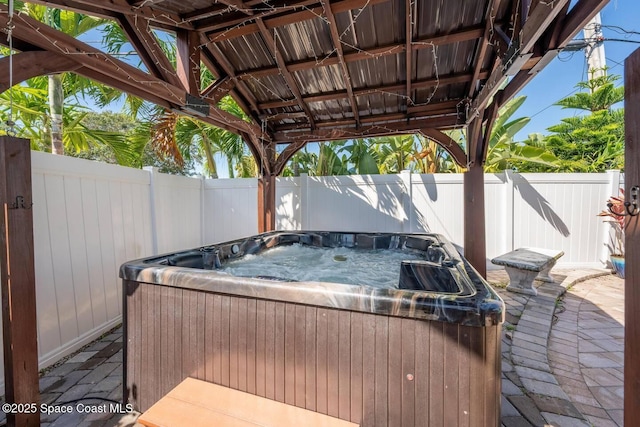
<point>318,70</point>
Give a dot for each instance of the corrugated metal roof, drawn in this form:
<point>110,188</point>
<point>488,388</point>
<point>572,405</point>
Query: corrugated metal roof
<point>307,62</point>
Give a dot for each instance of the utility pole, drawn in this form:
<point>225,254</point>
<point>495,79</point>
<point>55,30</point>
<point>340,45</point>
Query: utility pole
<point>594,49</point>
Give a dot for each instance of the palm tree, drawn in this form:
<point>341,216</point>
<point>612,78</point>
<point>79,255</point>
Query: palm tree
<point>31,113</point>
<point>60,86</point>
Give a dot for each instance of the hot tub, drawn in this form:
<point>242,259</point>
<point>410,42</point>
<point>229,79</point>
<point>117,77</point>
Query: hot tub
<point>420,350</point>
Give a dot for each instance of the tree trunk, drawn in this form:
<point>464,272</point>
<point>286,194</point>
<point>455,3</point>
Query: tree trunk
<point>56,104</point>
<point>211,163</point>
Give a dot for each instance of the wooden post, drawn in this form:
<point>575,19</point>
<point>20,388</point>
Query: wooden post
<point>632,243</point>
<point>266,203</point>
<point>17,274</point>
<point>475,247</point>
<point>475,250</point>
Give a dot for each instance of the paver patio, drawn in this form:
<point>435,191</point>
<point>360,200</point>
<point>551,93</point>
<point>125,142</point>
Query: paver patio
<point>562,359</point>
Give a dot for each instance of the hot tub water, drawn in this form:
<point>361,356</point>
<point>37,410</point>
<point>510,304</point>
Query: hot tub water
<point>372,267</point>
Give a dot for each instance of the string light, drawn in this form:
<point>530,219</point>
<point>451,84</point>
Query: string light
<point>264,10</point>
<point>9,29</point>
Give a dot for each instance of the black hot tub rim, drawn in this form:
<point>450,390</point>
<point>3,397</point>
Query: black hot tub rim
<point>473,302</point>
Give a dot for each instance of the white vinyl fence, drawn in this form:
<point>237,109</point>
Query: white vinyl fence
<point>90,217</point>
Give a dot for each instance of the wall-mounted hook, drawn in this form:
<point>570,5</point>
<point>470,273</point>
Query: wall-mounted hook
<point>20,204</point>
<point>631,207</point>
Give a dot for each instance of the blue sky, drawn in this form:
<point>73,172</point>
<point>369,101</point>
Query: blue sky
<point>558,79</point>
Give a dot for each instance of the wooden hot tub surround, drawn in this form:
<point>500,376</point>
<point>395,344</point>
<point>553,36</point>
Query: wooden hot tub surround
<point>376,357</point>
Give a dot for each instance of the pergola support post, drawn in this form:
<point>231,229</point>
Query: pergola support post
<point>475,247</point>
<point>632,243</point>
<point>17,276</point>
<point>266,203</point>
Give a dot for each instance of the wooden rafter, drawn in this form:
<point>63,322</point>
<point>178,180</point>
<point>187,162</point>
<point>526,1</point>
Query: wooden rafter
<point>408,49</point>
<point>464,34</point>
<point>242,95</point>
<point>238,5</point>
<point>288,13</point>
<point>334,132</point>
<point>538,21</point>
<point>567,25</point>
<point>490,115</point>
<point>146,44</point>
<point>492,9</point>
<point>446,142</point>
<point>121,75</point>
<point>340,94</point>
<point>293,86</point>
<point>138,3</point>
<point>578,17</point>
<point>112,8</point>
<point>286,155</point>
<point>215,9</point>
<point>188,60</point>
<point>32,64</point>
<point>234,20</point>
<point>337,44</point>
<point>218,89</point>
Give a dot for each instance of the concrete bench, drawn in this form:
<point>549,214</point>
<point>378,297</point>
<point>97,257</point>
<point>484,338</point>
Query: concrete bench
<point>196,403</point>
<point>524,265</point>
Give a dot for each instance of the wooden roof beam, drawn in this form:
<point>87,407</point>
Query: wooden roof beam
<point>138,3</point>
<point>111,8</point>
<point>218,89</point>
<point>567,26</point>
<point>445,118</point>
<point>408,49</point>
<point>275,52</point>
<point>540,18</point>
<point>301,10</point>
<point>231,21</point>
<point>341,94</point>
<point>337,43</point>
<point>112,71</point>
<point>390,128</point>
<point>481,54</point>
<point>287,154</point>
<point>213,58</point>
<point>445,141</point>
<point>579,15</point>
<point>188,60</point>
<point>464,34</point>
<point>216,9</point>
<point>144,41</point>
<point>31,64</point>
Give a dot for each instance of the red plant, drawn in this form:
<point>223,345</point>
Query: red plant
<point>615,210</point>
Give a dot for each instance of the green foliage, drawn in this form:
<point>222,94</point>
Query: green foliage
<point>602,94</point>
<point>505,153</point>
<point>593,142</point>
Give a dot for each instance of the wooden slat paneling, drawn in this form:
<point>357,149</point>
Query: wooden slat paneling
<point>407,374</point>
<point>422,370</point>
<point>344,365</point>
<point>322,367</point>
<point>310,353</point>
<point>436,382</point>
<point>394,369</point>
<point>450,395</point>
<point>381,357</point>
<point>300,325</point>
<point>333,363</point>
<point>368,369</point>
